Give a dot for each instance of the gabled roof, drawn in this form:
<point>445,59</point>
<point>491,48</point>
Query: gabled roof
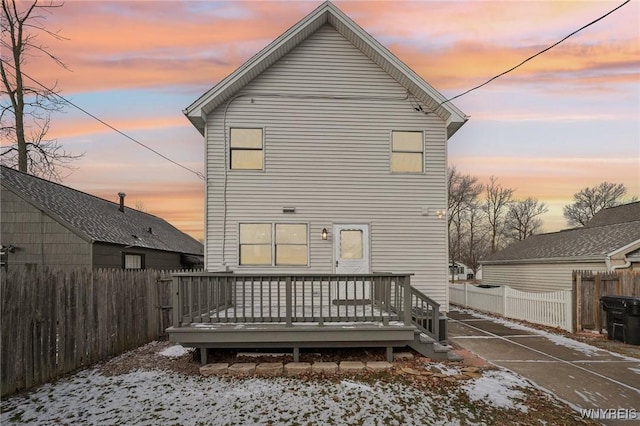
<point>580,244</point>
<point>619,214</point>
<point>325,14</point>
<point>95,219</point>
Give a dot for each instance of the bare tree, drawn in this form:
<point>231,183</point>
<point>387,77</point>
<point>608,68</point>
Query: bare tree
<point>589,201</point>
<point>25,111</point>
<point>522,219</point>
<point>463,190</point>
<point>475,246</point>
<point>496,205</point>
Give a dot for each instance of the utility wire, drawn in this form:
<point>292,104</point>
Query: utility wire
<point>200,175</point>
<point>533,56</point>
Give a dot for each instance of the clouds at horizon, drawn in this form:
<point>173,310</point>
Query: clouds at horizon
<point>565,120</point>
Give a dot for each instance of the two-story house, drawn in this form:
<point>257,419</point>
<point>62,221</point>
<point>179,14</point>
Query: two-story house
<point>325,154</point>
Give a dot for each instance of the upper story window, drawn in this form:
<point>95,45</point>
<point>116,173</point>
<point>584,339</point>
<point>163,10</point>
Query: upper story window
<point>289,242</point>
<point>407,152</point>
<point>246,149</point>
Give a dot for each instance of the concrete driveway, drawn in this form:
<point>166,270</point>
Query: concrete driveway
<point>581,375</point>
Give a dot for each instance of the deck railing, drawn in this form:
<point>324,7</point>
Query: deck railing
<point>211,298</point>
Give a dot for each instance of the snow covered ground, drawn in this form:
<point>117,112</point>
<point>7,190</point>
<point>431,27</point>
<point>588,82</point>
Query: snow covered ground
<point>156,395</point>
<point>152,397</point>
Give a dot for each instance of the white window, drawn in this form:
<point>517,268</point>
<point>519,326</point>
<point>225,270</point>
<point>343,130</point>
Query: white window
<point>407,152</point>
<point>291,244</point>
<point>133,261</point>
<point>255,244</point>
<point>246,149</point>
<point>288,241</point>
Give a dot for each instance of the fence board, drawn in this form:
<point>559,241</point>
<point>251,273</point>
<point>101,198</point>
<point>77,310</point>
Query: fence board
<point>590,287</point>
<point>56,321</point>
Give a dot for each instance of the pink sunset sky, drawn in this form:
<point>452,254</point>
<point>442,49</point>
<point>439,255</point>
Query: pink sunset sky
<point>566,120</point>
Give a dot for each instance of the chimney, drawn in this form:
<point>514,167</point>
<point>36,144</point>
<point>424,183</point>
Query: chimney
<point>121,195</point>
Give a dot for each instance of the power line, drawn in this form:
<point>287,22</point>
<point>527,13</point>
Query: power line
<point>200,175</point>
<point>533,56</point>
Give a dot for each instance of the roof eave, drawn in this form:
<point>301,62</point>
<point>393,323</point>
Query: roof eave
<point>574,259</point>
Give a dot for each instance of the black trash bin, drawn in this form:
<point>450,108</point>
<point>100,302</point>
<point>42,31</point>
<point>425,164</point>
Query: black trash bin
<point>623,318</point>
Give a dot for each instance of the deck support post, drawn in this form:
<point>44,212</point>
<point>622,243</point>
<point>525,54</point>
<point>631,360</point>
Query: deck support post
<point>406,281</point>
<point>296,354</point>
<point>203,356</point>
<point>389,353</point>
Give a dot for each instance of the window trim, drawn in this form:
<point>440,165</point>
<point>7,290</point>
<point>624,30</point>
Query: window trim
<point>231,148</point>
<point>274,245</point>
<point>422,153</point>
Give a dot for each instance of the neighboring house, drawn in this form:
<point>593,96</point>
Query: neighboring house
<point>45,223</point>
<point>326,154</point>
<point>610,241</point>
<point>460,272</point>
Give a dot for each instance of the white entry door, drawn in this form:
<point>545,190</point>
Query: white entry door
<point>351,254</point>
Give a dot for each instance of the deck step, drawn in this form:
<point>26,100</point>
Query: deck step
<point>428,347</point>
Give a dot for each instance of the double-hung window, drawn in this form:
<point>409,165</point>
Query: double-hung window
<point>246,149</point>
<point>273,244</point>
<point>407,152</point>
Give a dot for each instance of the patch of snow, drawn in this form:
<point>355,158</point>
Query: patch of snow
<point>175,351</point>
<point>498,388</point>
<point>558,339</point>
<point>586,349</point>
<point>161,397</point>
<point>635,370</point>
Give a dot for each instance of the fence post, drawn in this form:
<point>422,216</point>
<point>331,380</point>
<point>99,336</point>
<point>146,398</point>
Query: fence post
<point>466,302</point>
<point>175,301</point>
<point>578,300</point>
<point>504,300</point>
<point>407,299</point>
<point>568,310</point>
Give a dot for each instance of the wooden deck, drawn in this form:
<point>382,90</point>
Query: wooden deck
<point>227,310</point>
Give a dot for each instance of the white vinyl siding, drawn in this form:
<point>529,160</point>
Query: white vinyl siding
<point>330,111</point>
<point>407,152</point>
<point>536,276</point>
<point>246,149</point>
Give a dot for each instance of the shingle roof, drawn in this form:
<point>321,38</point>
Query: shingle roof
<point>96,219</point>
<point>624,213</point>
<point>581,243</point>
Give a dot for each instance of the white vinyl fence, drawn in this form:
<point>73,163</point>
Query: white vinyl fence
<point>552,309</point>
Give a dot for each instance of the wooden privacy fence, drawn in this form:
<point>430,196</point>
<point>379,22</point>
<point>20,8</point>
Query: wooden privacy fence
<point>553,309</point>
<point>588,287</point>
<point>55,321</point>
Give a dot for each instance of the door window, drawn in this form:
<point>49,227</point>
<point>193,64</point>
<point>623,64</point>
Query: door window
<point>351,244</point>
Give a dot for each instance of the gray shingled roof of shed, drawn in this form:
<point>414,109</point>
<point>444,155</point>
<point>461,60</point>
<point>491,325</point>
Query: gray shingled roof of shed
<point>96,219</point>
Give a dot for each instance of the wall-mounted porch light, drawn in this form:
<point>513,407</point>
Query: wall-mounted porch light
<point>325,233</point>
<point>440,213</point>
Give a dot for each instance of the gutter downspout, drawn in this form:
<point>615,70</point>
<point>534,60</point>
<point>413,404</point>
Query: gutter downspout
<point>607,261</point>
<point>627,264</point>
